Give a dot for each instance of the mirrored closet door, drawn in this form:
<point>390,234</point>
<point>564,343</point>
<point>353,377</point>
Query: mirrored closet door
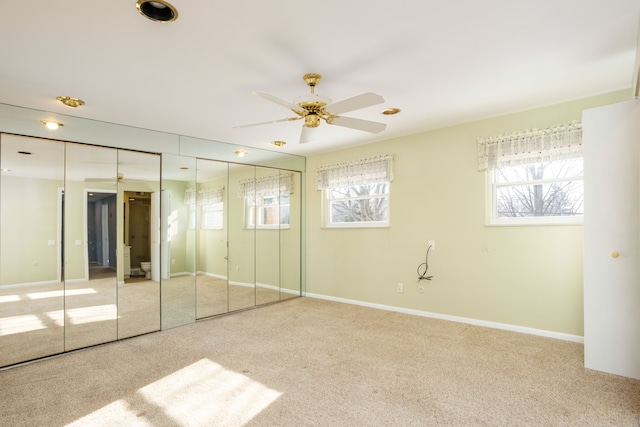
<point>178,248</point>
<point>212,291</point>
<point>242,237</point>
<point>290,235</point>
<point>90,245</point>
<point>139,266</point>
<point>31,287</point>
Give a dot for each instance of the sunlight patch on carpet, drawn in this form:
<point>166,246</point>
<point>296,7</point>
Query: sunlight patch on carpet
<point>203,393</point>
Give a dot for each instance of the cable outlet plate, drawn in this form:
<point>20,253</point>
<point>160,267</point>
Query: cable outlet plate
<point>432,243</point>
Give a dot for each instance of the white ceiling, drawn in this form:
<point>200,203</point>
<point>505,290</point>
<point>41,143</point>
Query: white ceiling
<point>442,63</point>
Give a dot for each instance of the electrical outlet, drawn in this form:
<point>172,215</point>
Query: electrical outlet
<point>400,288</point>
<point>432,243</point>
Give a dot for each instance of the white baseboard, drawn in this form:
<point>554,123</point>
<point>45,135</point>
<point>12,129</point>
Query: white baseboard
<point>476,322</point>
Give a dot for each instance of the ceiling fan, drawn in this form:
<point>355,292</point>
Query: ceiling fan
<point>314,108</point>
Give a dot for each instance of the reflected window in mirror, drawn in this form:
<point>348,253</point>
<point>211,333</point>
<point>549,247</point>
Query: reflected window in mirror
<point>211,203</point>
<point>267,201</point>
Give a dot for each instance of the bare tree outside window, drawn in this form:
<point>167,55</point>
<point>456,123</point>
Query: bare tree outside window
<point>359,203</point>
<point>540,189</point>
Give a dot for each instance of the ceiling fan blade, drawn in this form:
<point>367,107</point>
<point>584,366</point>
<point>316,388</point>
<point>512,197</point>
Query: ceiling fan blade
<point>267,123</point>
<point>307,135</point>
<point>354,103</point>
<point>293,107</point>
<point>359,124</point>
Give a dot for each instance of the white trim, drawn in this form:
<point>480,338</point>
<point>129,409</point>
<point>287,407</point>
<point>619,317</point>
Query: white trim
<point>475,322</point>
<point>30,284</point>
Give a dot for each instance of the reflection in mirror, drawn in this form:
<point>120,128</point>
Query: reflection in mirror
<point>177,253</point>
<point>211,218</point>
<point>270,212</point>
<point>241,234</point>
<point>290,243</point>
<point>139,242</point>
<point>31,290</point>
<point>90,212</point>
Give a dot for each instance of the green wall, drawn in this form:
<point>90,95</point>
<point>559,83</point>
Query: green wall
<point>526,276</point>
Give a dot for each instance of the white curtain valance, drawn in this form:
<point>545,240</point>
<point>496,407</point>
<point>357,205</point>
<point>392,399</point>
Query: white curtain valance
<point>271,185</point>
<point>210,196</point>
<point>360,172</point>
<point>189,196</point>
<point>530,146</point>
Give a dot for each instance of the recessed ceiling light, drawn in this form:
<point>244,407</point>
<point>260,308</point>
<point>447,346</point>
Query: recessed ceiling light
<point>390,111</point>
<point>278,143</point>
<point>50,124</point>
<point>241,153</point>
<point>159,10</point>
<point>70,102</point>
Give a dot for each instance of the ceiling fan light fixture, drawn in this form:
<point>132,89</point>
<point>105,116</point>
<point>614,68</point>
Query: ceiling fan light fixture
<point>312,120</point>
<point>391,111</point>
<point>50,124</point>
<point>158,10</point>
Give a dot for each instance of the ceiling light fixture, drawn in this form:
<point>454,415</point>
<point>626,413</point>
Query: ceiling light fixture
<point>278,143</point>
<point>390,111</point>
<point>5,170</point>
<point>50,124</point>
<point>159,10</point>
<point>70,102</point>
<point>241,153</point>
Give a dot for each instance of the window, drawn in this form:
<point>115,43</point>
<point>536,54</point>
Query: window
<point>268,211</point>
<point>535,176</point>
<point>543,193</point>
<point>356,194</point>
<point>358,205</point>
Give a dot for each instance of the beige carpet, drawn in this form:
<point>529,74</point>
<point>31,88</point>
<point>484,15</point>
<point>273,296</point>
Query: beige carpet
<point>309,362</point>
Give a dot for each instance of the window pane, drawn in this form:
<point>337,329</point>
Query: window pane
<point>564,198</point>
<point>359,191</point>
<point>570,168</point>
<point>284,214</point>
<point>360,210</point>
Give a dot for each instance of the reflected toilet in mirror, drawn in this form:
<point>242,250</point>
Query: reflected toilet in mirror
<point>139,267</point>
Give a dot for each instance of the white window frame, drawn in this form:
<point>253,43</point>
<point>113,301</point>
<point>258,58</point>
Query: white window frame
<point>258,208</point>
<point>491,218</point>
<point>326,209</point>
<point>209,210</point>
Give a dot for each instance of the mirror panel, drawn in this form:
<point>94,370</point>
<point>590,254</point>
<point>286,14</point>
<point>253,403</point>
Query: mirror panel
<point>241,232</point>
<point>271,215</point>
<point>90,242</point>
<point>31,289</point>
<point>177,253</point>
<point>290,240</point>
<point>139,243</point>
<point>211,211</point>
